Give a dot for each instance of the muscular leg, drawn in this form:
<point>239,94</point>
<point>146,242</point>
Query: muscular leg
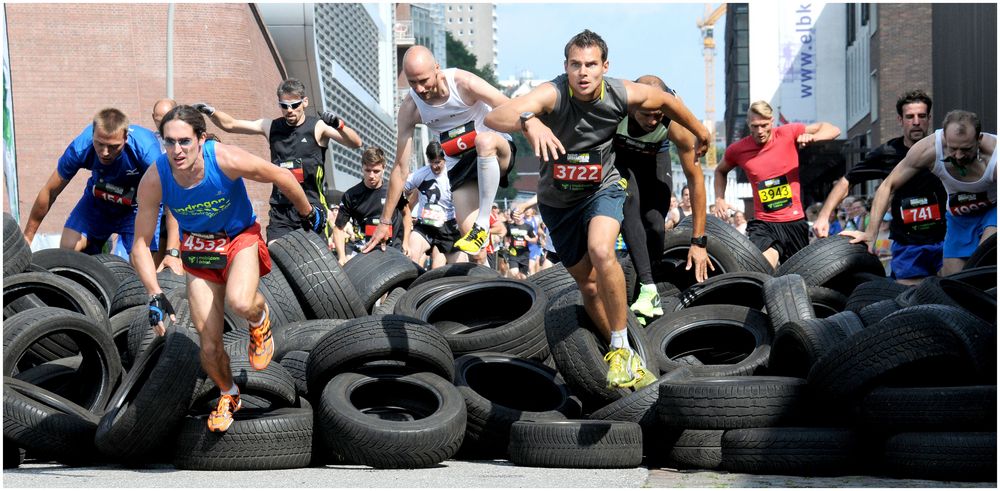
<point>207,314</point>
<point>493,153</point>
<point>241,286</point>
<point>600,277</point>
<point>987,233</point>
<point>466,201</point>
<point>952,265</point>
<point>418,248</point>
<point>71,239</point>
<point>772,255</point>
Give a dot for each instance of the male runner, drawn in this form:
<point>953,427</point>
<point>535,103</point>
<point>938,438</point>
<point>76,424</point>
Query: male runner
<point>117,154</point>
<point>298,143</point>
<point>452,104</point>
<point>964,159</point>
<point>364,202</point>
<point>519,236</point>
<point>435,227</point>
<point>771,161</point>
<point>223,252</point>
<point>570,122</point>
<point>642,157</point>
<point>918,227</point>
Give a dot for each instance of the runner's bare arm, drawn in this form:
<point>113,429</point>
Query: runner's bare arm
<point>507,119</point>
<point>149,195</point>
<point>818,132</point>
<point>345,135</point>
<point>407,118</point>
<point>236,162</point>
<point>721,207</point>
<point>472,88</point>
<point>920,156</point>
<point>229,124</point>
<point>651,98</point>
<point>43,203</point>
<point>837,194</point>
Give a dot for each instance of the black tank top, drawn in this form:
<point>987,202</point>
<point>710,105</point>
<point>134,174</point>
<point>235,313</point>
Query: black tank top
<point>295,149</point>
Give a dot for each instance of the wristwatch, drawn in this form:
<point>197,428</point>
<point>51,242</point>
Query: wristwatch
<point>525,116</point>
<point>173,253</point>
<point>700,241</point>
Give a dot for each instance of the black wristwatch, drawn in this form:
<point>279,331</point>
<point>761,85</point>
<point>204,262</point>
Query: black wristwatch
<point>525,116</point>
<point>700,241</point>
<point>173,253</point>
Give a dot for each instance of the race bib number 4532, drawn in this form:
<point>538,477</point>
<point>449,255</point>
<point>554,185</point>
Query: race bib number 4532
<point>204,251</point>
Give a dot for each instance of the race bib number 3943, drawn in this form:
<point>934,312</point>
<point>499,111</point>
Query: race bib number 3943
<point>774,193</point>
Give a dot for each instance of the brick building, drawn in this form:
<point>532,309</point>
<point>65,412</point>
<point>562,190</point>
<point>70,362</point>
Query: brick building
<point>68,61</point>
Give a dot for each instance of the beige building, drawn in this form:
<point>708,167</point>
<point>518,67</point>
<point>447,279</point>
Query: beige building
<point>475,25</point>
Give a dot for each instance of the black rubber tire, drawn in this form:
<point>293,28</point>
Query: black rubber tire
<point>697,449</point>
<point>826,301</point>
<point>639,406</point>
<point>982,278</point>
<point>417,344</point>
<point>417,295</point>
<point>978,338</point>
<point>376,273</point>
<point>509,318</point>
<point>16,250</point>
<point>870,292</point>
<point>55,291</point>
<point>792,451</point>
<point>257,440</point>
<point>388,304</point>
<point>145,411</point>
<point>787,300</point>
<point>13,456</point>
<point>392,421</point>
<point>631,280</point>
<point>553,280</point>
<point>81,268</point>
<point>302,335</point>
<point>797,345</point>
<point>131,292</point>
<point>100,367</point>
<point>47,424</point>
<point>281,301</point>
<point>494,404</point>
<point>118,265</point>
<point>898,409</point>
<point>707,403</point>
<point>944,291</point>
<point>121,323</point>
<point>273,384</point>
<point>832,262</point>
<point>20,304</point>
<point>169,281</point>
<point>457,269</point>
<point>728,250</point>
<point>726,339</point>
<point>579,352</point>
<point>901,348</point>
<point>295,363</point>
<point>945,456</point>
<point>872,313</point>
<point>984,255</point>
<point>57,376</point>
<point>576,444</point>
<point>312,271</point>
<point>737,288</point>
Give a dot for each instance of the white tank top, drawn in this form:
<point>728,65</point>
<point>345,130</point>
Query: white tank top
<point>959,189</point>
<point>452,115</point>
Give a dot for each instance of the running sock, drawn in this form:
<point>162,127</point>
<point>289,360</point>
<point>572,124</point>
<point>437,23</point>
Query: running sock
<point>619,339</point>
<point>233,390</point>
<point>263,315</point>
<point>489,182</point>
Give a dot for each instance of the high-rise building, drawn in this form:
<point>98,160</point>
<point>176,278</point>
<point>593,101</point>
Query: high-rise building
<point>475,25</point>
<point>344,54</point>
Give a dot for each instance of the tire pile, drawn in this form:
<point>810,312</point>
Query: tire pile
<point>823,367</point>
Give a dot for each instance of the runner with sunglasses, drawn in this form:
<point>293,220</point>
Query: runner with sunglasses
<point>298,143</point>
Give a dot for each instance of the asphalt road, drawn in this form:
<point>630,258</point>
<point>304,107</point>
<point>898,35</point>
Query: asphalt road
<point>450,474</point>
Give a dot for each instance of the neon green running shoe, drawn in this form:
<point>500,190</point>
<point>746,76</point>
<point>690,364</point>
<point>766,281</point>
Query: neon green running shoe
<point>648,303</point>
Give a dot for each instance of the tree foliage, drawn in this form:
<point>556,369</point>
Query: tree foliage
<point>460,57</point>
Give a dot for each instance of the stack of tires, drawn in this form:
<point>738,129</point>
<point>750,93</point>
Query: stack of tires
<point>821,367</point>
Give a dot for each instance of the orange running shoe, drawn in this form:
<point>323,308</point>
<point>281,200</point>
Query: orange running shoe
<point>220,419</point>
<point>261,344</point>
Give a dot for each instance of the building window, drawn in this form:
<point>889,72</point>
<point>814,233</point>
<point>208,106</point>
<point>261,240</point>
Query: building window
<point>471,20</point>
<point>449,20</point>
<point>461,32</point>
<point>865,14</point>
<point>873,93</point>
<point>851,26</point>
<point>470,31</point>
<point>449,8</point>
<point>459,20</point>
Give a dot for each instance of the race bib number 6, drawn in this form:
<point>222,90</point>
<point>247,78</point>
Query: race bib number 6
<point>459,140</point>
<point>774,193</point>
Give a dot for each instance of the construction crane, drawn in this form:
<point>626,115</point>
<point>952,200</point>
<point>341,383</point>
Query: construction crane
<point>707,26</point>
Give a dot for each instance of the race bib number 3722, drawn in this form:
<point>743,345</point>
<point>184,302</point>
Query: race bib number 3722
<point>578,171</point>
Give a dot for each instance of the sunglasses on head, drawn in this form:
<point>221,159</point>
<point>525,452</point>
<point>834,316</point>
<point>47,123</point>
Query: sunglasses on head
<point>290,105</point>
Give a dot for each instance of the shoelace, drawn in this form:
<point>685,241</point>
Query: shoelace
<point>225,401</point>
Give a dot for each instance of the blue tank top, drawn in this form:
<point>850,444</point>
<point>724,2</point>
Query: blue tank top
<point>216,204</point>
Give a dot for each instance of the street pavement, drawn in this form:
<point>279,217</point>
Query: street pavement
<point>450,474</point>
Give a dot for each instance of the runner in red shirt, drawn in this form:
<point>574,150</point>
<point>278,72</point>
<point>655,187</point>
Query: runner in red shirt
<point>771,161</point>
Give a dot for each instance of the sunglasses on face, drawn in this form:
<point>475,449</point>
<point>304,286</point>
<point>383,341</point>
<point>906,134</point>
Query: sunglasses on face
<point>183,142</point>
<point>290,105</point>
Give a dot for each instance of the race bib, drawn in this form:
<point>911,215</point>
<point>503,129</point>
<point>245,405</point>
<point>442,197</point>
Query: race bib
<point>457,141</point>
<point>372,225</point>
<point>915,211</point>
<point>578,171</point>
<point>518,237</point>
<point>969,203</point>
<point>294,165</point>
<point>204,251</point>
<point>774,193</point>
<point>433,215</point>
<point>119,195</point>
<point>627,143</point>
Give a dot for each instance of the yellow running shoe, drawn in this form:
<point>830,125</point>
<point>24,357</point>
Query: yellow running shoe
<point>473,241</point>
<point>626,370</point>
<point>261,347</point>
<point>220,419</point>
<point>648,303</point>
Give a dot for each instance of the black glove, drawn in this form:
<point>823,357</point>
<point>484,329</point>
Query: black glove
<point>159,309</point>
<point>204,108</point>
<point>331,119</point>
<point>315,220</point>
